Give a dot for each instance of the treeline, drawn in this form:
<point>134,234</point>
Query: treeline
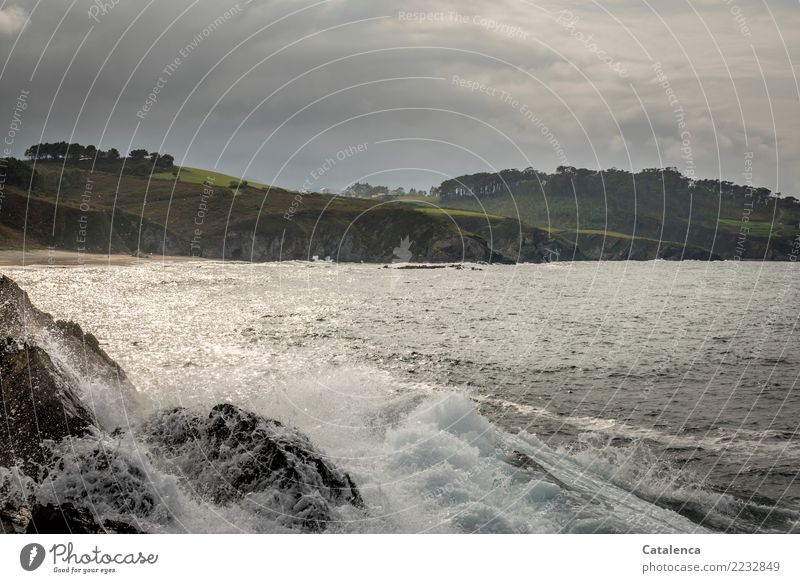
<point>568,180</point>
<point>89,156</point>
<point>77,159</point>
<point>366,190</point>
<point>15,172</point>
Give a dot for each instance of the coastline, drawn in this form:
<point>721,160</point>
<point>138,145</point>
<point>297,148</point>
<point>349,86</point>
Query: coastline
<point>57,258</point>
<point>60,258</point>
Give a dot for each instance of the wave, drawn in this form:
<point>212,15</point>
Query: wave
<point>767,442</point>
<point>426,460</point>
<point>624,455</point>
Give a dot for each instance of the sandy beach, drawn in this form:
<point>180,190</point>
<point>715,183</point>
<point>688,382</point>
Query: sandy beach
<point>74,258</point>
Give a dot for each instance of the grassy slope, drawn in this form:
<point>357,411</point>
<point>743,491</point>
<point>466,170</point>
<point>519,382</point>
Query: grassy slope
<point>260,209</point>
<point>699,223</point>
<point>198,176</point>
<point>140,207</point>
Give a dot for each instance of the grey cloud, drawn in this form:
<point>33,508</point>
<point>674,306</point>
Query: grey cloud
<point>594,112</point>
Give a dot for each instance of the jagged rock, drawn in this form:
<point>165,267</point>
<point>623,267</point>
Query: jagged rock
<point>77,353</point>
<point>14,520</point>
<point>49,436</point>
<point>38,404</point>
<point>99,472</point>
<point>67,518</point>
<point>89,342</point>
<point>43,365</point>
<point>234,453</point>
<point>64,518</point>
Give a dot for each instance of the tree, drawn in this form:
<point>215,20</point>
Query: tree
<point>17,173</point>
<point>75,152</point>
<point>138,154</point>
<point>166,160</point>
<point>90,151</point>
<point>113,154</point>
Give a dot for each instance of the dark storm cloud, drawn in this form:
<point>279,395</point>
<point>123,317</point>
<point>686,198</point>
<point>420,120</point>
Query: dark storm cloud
<point>273,89</point>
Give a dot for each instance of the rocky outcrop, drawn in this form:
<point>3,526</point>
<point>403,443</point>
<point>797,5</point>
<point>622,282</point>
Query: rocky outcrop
<point>532,245</point>
<point>102,472</point>
<point>39,406</point>
<point>63,518</point>
<point>76,354</point>
<point>14,520</point>
<point>511,241</point>
<point>613,247</point>
<point>67,518</point>
<point>233,453</point>
<point>65,469</point>
<point>427,245</point>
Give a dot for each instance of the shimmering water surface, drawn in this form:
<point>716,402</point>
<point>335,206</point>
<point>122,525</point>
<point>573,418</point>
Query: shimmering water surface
<point>670,387</point>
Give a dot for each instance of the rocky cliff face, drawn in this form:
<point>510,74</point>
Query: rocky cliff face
<point>40,405</point>
<point>69,466</point>
<point>97,230</point>
<point>76,357</point>
<point>347,243</point>
<point>615,248</point>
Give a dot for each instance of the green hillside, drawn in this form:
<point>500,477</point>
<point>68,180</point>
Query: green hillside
<point>74,208</point>
<point>658,205</point>
<point>116,205</point>
<point>199,176</point>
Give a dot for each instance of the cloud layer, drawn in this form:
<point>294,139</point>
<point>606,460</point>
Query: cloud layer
<point>273,89</point>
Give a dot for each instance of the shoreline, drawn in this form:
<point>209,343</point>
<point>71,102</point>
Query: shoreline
<point>58,258</point>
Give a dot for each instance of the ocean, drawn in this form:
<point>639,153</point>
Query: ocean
<point>587,397</point>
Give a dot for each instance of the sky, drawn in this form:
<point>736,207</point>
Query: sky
<point>313,94</point>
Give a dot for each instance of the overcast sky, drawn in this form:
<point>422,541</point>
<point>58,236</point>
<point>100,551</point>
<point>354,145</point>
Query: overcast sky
<point>273,89</point>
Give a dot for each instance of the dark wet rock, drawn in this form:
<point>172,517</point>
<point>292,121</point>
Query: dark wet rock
<point>89,344</point>
<point>615,247</point>
<point>45,424</point>
<point>14,520</point>
<point>75,351</point>
<point>234,453</point>
<point>103,475</point>
<point>40,405</point>
<point>64,518</point>
<point>62,465</point>
<point>422,266</point>
<point>67,518</point>
<point>16,494</point>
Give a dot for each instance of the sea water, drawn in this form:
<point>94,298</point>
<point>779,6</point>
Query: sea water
<point>585,397</point>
